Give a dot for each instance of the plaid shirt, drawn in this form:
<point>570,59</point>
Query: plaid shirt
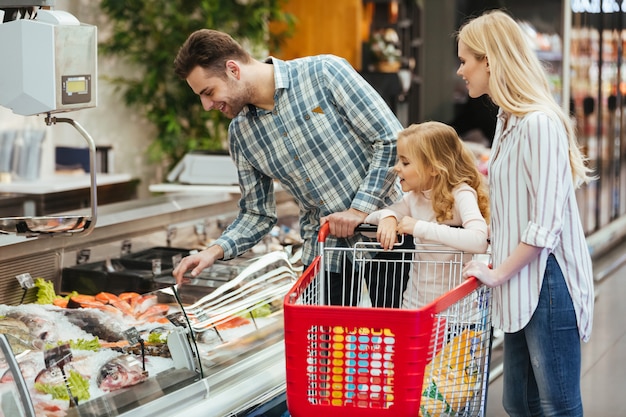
<point>331,142</point>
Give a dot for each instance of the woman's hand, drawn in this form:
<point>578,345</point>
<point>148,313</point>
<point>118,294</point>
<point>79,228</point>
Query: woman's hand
<point>481,271</point>
<point>386,233</point>
<point>517,260</point>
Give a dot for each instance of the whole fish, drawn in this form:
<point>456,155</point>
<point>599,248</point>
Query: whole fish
<point>40,327</point>
<point>121,372</point>
<point>96,323</point>
<point>19,336</point>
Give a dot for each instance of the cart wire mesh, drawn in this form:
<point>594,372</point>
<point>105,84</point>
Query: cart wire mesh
<point>356,359</point>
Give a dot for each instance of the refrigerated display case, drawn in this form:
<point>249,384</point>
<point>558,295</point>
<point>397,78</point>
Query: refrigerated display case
<point>235,307</point>
<point>598,88</point>
<point>112,354</point>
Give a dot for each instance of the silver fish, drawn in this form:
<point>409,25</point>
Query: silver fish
<point>19,336</point>
<point>39,327</point>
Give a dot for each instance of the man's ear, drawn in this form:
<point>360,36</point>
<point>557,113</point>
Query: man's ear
<point>232,69</point>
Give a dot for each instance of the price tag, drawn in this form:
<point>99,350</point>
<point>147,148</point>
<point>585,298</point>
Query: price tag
<point>156,266</point>
<point>82,256</point>
<point>202,316</point>
<point>25,280</point>
<point>177,319</point>
<point>132,335</point>
<point>126,247</point>
<point>57,356</point>
<point>176,259</point>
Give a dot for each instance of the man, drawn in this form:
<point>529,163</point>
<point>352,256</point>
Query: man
<point>313,123</point>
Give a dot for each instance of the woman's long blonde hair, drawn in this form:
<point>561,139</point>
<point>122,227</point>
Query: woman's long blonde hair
<point>518,83</point>
<point>437,145</point>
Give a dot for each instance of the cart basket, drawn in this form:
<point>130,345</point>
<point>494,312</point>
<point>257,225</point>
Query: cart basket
<point>372,361</point>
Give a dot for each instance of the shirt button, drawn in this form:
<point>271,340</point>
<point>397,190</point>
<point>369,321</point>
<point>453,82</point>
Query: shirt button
<point>307,117</point>
<point>275,112</point>
<point>296,157</point>
<point>285,134</point>
<point>321,202</point>
<point>308,180</point>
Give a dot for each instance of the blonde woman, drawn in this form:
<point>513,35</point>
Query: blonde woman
<point>542,277</point>
<point>445,203</point>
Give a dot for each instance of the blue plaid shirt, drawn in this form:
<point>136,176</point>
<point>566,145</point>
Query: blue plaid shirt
<point>331,142</point>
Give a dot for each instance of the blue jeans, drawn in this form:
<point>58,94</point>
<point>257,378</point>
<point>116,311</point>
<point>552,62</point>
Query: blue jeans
<point>542,361</point>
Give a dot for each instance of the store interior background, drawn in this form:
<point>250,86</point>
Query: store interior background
<point>425,88</point>
<point>426,29</point>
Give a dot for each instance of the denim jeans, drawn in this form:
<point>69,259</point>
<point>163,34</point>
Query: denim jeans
<point>542,361</point>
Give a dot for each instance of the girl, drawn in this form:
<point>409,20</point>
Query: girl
<point>443,189</point>
<point>543,286</point>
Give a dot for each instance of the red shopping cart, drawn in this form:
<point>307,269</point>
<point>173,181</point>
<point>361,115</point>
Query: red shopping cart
<point>358,360</point>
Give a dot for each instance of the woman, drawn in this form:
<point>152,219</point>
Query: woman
<point>542,277</point>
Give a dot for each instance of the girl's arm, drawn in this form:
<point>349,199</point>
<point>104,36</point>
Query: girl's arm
<point>471,237</point>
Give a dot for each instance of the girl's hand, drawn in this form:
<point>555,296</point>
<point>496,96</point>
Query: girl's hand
<point>406,226</point>
<point>386,233</point>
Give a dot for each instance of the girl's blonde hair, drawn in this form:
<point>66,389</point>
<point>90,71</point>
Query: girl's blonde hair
<point>518,83</point>
<point>437,145</point>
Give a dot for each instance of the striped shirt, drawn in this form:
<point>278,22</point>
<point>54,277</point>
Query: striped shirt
<point>331,142</point>
<point>533,201</point>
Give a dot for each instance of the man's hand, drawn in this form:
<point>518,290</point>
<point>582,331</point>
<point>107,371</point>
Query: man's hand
<point>197,262</point>
<point>343,223</point>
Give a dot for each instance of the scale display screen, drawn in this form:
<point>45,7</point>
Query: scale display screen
<point>76,89</point>
<point>76,86</point>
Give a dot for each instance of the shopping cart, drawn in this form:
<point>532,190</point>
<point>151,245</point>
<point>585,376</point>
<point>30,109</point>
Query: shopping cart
<point>345,360</point>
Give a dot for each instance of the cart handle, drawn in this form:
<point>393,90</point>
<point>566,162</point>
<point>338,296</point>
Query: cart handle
<point>325,230</point>
<point>446,300</point>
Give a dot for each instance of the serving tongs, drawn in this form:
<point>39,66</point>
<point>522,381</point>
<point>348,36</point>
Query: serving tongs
<point>65,225</point>
<point>263,282</point>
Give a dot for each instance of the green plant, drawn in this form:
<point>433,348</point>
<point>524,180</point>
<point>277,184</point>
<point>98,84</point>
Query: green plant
<point>147,35</point>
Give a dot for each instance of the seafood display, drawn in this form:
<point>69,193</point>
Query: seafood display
<point>68,356</point>
<point>75,350</point>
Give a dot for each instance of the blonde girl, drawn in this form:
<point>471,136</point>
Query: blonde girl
<point>445,202</point>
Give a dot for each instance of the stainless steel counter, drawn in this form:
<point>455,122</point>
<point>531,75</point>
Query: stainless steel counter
<point>132,217</point>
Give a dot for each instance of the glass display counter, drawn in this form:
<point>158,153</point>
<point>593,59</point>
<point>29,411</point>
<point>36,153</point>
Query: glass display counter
<point>160,352</point>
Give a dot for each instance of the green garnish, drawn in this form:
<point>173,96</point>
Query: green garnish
<point>78,344</point>
<point>45,291</point>
<point>78,385</point>
<point>157,338</point>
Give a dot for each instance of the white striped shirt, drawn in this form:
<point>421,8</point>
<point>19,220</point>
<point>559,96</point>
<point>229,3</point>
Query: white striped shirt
<point>533,201</point>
